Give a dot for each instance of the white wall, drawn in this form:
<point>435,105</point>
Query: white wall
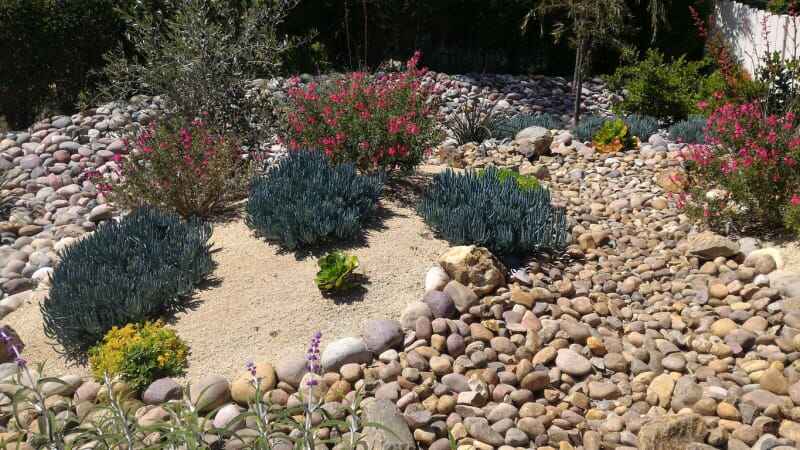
<point>744,27</point>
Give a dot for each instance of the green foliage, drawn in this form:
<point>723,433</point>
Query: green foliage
<point>507,128</point>
<point>641,126</point>
<point>50,49</point>
<point>498,214</point>
<point>690,131</point>
<point>335,271</point>
<point>202,59</point>
<point>588,127</point>
<point>129,271</point>
<point>523,181</point>
<point>139,354</point>
<point>780,77</point>
<point>476,122</point>
<point>305,201</point>
<point>613,136</point>
<point>791,217</point>
<point>444,30</point>
<point>655,87</point>
<point>182,166</point>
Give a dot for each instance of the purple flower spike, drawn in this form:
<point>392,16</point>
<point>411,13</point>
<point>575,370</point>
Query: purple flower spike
<point>251,367</point>
<point>13,346</point>
<point>312,355</point>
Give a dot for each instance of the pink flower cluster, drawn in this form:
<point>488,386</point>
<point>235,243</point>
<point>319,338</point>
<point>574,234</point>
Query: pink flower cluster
<point>750,157</point>
<point>375,121</point>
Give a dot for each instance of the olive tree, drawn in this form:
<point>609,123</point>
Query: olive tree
<point>201,57</point>
<point>588,24</point>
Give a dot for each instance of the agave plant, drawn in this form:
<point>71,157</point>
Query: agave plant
<point>6,199</point>
<point>641,126</point>
<point>689,131</point>
<point>126,272</point>
<point>475,123</point>
<point>335,271</point>
<point>490,210</point>
<point>588,127</point>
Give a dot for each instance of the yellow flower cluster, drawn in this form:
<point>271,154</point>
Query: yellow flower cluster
<point>139,354</point>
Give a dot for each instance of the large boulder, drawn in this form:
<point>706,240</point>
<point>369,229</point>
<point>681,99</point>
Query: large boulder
<point>709,245</point>
<point>672,432</point>
<point>161,391</point>
<point>243,390</point>
<point>474,267</point>
<point>382,334</point>
<point>786,282</point>
<point>211,392</point>
<point>533,141</point>
<point>290,370</point>
<point>345,351</point>
<point>393,432</point>
<point>673,180</point>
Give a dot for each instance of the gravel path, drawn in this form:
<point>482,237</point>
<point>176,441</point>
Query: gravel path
<point>265,303</point>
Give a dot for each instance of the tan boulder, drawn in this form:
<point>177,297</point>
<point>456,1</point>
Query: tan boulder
<point>474,267</point>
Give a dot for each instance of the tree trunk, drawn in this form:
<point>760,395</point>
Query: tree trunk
<point>347,35</point>
<point>577,82</point>
<point>366,54</point>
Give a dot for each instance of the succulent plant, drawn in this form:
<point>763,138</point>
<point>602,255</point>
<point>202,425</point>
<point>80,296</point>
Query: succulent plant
<point>523,181</point>
<point>483,209</point>
<point>612,137</point>
<point>508,128</point>
<point>475,122</point>
<point>305,201</point>
<point>6,199</point>
<point>588,127</point>
<point>641,126</point>
<point>689,131</point>
<point>137,269</point>
<point>335,271</point>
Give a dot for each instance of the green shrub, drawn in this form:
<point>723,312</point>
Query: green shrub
<point>182,166</point>
<point>588,127</point>
<point>508,128</point>
<point>50,52</point>
<point>476,122</point>
<point>482,209</point>
<point>613,136</point>
<point>335,271</point>
<point>641,126</point>
<point>523,181</point>
<point>689,131</point>
<point>205,62</point>
<point>129,271</point>
<point>657,88</point>
<point>305,200</point>
<point>139,354</point>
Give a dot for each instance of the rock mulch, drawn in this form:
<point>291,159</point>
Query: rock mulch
<point>647,334</point>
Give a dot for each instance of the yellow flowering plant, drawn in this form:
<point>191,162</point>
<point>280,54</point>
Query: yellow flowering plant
<point>139,354</point>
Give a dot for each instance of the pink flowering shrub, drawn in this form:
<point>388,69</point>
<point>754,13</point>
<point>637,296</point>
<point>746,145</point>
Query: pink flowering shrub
<point>381,121</point>
<point>748,167</point>
<point>181,166</point>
